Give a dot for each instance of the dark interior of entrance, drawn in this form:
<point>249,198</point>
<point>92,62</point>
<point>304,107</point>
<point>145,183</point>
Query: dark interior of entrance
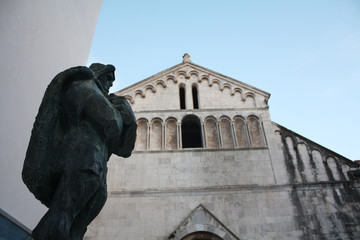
<point>201,236</point>
<point>191,132</point>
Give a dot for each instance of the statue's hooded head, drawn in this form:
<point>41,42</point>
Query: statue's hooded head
<point>105,74</point>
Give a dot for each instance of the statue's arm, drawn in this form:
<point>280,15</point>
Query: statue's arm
<point>103,117</point>
<point>128,136</point>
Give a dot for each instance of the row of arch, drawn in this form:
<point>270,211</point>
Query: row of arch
<point>195,77</point>
<point>212,133</point>
<point>310,165</point>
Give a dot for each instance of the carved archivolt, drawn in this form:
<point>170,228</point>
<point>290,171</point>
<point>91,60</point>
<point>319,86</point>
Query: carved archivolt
<point>193,72</point>
<point>130,99</point>
<point>139,92</point>
<point>151,88</point>
<point>171,78</point>
<point>160,82</point>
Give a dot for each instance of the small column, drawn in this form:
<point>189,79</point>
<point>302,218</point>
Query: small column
<point>178,136</point>
<point>188,96</point>
<point>203,134</point>
<point>218,128</point>
<point>232,123</point>
<point>163,135</point>
<point>148,136</point>
<point>248,133</point>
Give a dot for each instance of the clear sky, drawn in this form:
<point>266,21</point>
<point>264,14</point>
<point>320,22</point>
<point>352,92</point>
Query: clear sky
<point>305,53</point>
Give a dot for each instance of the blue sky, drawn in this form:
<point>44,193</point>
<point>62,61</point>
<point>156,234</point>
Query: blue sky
<point>305,53</point>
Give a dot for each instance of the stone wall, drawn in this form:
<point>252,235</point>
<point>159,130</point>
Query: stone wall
<point>184,169</point>
<point>248,178</point>
<point>153,192</point>
<point>250,212</point>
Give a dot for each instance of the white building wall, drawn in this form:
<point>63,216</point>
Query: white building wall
<point>269,183</point>
<point>38,40</point>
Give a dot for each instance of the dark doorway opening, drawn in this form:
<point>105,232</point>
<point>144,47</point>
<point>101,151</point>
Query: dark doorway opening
<point>191,132</point>
<point>202,236</point>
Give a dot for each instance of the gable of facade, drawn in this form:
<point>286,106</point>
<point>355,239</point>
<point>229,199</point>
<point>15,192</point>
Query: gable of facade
<point>190,86</point>
<point>201,224</point>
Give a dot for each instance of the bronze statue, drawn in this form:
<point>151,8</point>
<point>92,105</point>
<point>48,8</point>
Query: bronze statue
<point>78,126</point>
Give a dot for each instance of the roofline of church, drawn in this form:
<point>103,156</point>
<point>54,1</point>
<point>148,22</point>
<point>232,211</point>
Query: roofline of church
<point>148,78</point>
<point>354,164</point>
<point>196,66</point>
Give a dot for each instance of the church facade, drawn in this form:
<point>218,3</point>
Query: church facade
<point>210,164</point>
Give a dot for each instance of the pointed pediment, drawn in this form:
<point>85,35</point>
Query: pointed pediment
<point>164,86</point>
<point>202,221</point>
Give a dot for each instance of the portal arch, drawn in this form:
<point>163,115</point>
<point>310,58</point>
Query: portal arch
<point>191,136</point>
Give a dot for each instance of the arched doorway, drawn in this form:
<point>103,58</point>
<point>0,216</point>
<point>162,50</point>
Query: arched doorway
<point>202,236</point>
<point>191,132</point>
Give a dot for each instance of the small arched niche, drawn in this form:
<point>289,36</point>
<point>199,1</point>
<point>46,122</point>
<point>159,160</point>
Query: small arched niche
<point>255,132</point>
<point>191,132</point>
<point>156,135</point>
<point>226,133</point>
<point>241,132</point>
<point>141,135</point>
<point>171,134</point>
<point>212,134</point>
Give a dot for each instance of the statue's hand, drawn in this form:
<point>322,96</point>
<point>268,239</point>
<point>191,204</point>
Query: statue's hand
<point>122,105</point>
<point>128,136</point>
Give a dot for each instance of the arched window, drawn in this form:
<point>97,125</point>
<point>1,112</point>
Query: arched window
<point>241,132</point>
<point>191,132</point>
<point>226,133</point>
<point>156,135</point>
<point>141,135</point>
<point>195,96</point>
<point>182,96</point>
<point>171,134</point>
<point>212,134</point>
<point>255,132</point>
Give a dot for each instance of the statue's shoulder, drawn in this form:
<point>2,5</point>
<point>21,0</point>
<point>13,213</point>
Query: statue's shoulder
<point>74,73</point>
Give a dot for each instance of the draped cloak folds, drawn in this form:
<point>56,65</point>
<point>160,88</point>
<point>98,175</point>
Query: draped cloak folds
<point>50,130</point>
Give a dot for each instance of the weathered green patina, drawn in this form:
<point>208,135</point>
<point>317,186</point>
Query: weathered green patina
<point>78,126</point>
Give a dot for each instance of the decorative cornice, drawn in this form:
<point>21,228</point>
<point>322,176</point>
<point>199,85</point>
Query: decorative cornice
<point>188,69</point>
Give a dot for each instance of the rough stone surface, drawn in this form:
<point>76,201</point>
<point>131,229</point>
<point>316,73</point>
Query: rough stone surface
<point>255,178</point>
